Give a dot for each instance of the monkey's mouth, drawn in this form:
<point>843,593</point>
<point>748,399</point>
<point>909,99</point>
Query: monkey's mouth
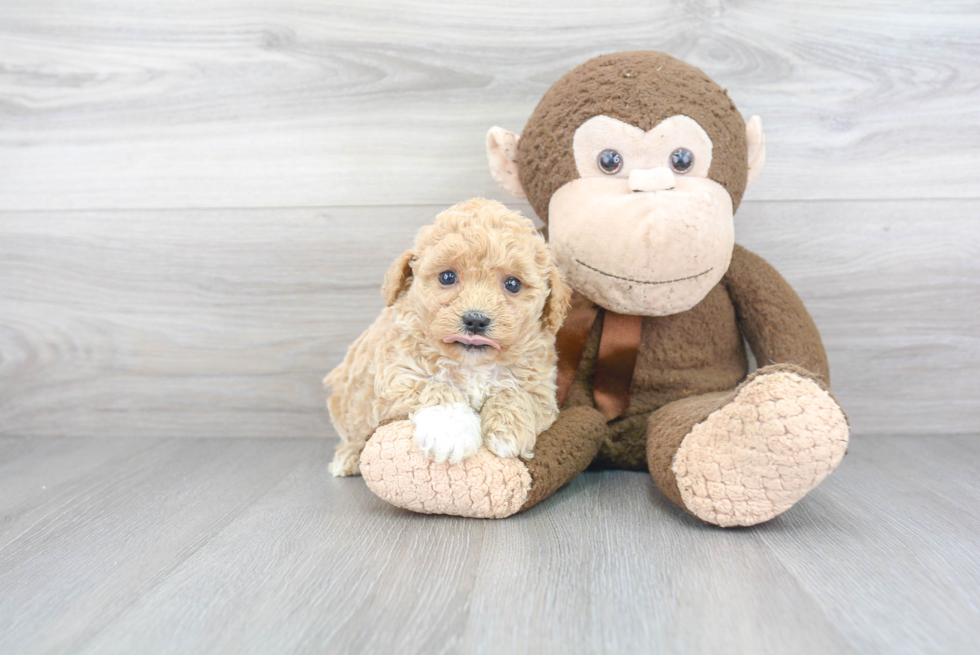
<point>654,282</point>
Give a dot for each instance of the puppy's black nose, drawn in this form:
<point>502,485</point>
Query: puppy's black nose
<point>475,322</point>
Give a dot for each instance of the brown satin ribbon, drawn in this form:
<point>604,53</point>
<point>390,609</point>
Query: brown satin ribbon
<point>570,342</point>
<point>618,347</point>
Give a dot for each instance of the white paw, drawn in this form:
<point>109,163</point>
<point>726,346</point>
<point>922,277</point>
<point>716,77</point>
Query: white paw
<point>447,432</point>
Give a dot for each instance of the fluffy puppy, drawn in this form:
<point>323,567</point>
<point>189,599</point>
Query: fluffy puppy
<point>466,345</point>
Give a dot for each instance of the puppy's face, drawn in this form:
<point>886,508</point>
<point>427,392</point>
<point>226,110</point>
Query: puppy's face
<point>482,289</point>
<point>476,300</point>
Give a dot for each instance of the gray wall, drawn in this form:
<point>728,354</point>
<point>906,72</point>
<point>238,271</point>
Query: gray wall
<point>197,201</point>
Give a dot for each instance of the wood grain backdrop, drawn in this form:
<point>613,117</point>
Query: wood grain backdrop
<point>198,200</point>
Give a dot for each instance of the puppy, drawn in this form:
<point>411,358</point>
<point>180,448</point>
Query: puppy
<point>466,346</point>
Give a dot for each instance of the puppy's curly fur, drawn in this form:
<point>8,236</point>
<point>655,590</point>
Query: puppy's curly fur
<point>420,359</point>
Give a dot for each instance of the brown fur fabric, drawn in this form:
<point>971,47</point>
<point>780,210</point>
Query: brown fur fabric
<point>627,86</point>
<point>689,365</point>
<point>563,451</point>
<point>666,429</point>
<point>758,453</point>
<point>773,318</point>
<point>700,351</point>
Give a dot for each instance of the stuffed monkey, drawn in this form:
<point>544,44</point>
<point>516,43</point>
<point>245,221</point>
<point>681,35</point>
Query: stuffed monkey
<point>636,163</point>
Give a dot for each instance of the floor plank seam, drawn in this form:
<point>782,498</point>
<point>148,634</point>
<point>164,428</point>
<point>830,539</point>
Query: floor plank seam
<point>805,590</point>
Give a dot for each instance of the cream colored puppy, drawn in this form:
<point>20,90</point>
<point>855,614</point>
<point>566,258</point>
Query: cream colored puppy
<point>466,346</point>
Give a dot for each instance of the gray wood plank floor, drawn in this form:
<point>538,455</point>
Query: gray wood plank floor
<point>247,545</point>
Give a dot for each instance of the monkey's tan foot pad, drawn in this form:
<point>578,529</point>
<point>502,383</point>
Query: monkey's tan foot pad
<point>481,486</point>
<point>752,459</point>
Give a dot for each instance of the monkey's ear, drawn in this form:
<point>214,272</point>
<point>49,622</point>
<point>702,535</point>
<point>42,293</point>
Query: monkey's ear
<point>755,139</point>
<point>556,306</point>
<point>502,153</point>
<point>398,278</point>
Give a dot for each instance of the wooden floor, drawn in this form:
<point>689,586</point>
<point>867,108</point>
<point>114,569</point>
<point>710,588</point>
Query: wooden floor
<point>247,545</point>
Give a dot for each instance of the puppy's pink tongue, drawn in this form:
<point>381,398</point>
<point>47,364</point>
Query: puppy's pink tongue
<point>472,340</point>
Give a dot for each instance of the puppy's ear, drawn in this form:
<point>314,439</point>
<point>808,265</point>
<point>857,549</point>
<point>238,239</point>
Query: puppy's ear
<point>502,154</point>
<point>556,306</point>
<point>398,278</point>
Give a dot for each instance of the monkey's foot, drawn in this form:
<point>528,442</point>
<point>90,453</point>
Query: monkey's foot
<point>481,486</point>
<point>756,456</point>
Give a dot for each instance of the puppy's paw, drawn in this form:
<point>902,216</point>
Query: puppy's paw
<point>509,440</point>
<point>345,462</point>
<point>447,433</point>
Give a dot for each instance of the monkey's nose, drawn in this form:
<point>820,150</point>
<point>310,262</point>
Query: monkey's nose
<point>475,322</point>
<point>652,179</point>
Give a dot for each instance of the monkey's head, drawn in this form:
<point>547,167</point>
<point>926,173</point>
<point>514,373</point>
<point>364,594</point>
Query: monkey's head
<point>636,161</point>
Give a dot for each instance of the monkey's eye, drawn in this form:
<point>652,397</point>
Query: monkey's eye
<point>610,162</point>
<point>447,278</point>
<point>682,160</point>
<point>512,284</point>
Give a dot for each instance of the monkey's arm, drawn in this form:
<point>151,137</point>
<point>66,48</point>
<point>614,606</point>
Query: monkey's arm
<point>772,317</point>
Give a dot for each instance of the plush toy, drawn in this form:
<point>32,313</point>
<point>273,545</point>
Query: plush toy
<point>636,162</point>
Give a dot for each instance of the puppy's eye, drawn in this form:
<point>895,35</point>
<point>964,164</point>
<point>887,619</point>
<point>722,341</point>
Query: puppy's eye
<point>447,278</point>
<point>610,162</point>
<point>681,160</point>
<point>512,284</point>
